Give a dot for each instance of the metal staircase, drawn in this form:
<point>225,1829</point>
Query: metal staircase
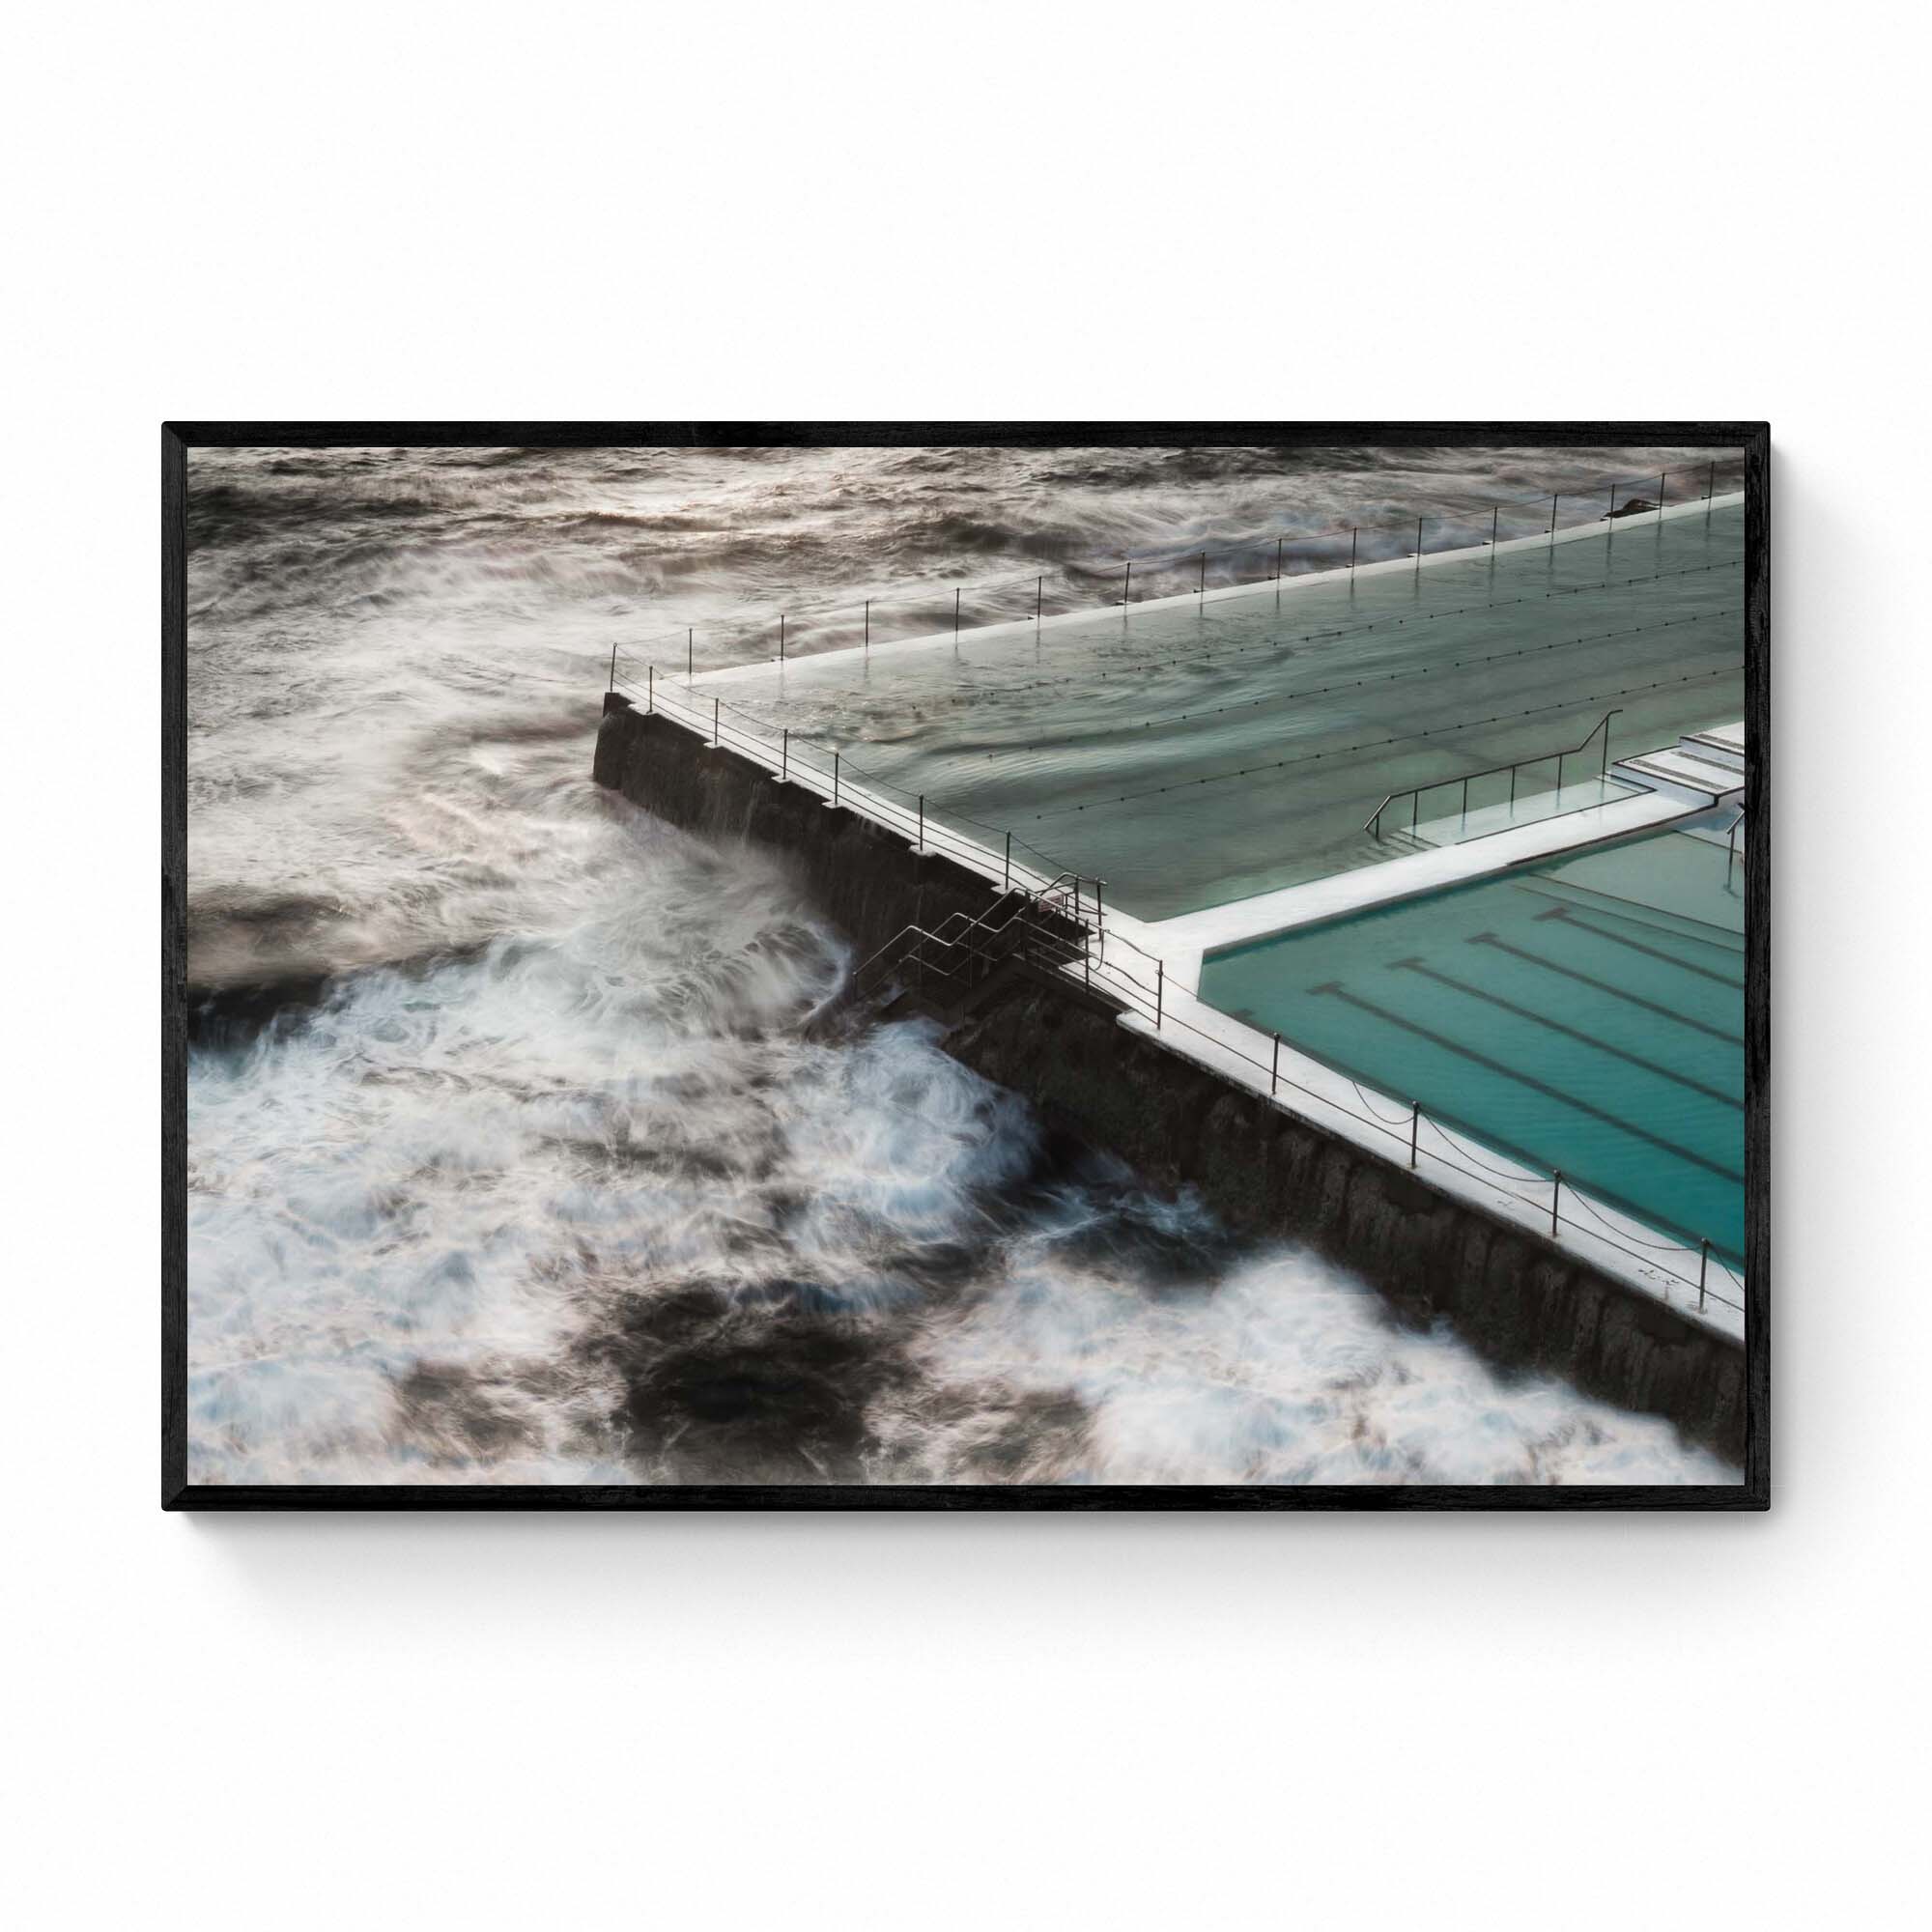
<point>942,968</point>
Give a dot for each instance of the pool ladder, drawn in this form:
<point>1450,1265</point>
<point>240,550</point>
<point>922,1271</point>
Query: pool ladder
<point>1373,824</point>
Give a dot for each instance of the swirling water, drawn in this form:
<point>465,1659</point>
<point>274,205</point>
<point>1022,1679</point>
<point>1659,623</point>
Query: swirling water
<point>560,1169</point>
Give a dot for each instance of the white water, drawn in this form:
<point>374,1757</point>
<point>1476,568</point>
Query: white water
<point>557,1185</point>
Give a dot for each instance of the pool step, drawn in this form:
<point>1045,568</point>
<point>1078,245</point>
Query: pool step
<point>1682,771</point>
<point>1722,745</point>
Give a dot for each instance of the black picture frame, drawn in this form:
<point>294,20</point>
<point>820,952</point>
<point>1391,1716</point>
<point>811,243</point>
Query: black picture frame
<point>1751,440</point>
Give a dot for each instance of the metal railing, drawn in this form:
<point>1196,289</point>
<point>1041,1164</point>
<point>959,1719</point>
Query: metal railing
<point>1070,585</point>
<point>1144,993</point>
<point>1055,920</point>
<point>963,949</point>
<point>797,761</point>
<point>962,952</point>
<point>1373,824</point>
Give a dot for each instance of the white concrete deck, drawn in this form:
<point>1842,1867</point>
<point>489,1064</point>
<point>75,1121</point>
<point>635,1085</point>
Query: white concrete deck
<point>1677,786</point>
<point>1679,769</point>
<point>1619,1245</point>
<point>1721,745</point>
<point>1183,943</point>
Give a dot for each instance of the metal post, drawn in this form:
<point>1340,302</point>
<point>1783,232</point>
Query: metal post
<point>1100,909</point>
<point>1465,799</point>
<point>834,778</point>
<point>955,612</point>
<point>1555,1198</point>
<point>651,688</point>
<point>1659,496</point>
<point>1203,591</point>
<point>1418,546</point>
<point>1277,559</point>
<point>612,685</point>
<point>1512,792</point>
<point>1355,537</point>
<point>922,821</point>
<point>781,638</point>
<point>1159,991</point>
<point>1703,1268</point>
<point>868,623</point>
<point>1038,596</point>
<point>1128,583</point>
<point>1274,1070</point>
<point>1610,518</point>
<point>784,755</point>
<point>1009,860</point>
<point>1414,1127</point>
<point>1495,514</point>
<point>1553,519</point>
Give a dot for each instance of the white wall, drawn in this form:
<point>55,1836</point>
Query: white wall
<point>1013,212</point>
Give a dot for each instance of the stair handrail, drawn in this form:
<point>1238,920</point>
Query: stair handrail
<point>951,934</point>
<point>1373,824</point>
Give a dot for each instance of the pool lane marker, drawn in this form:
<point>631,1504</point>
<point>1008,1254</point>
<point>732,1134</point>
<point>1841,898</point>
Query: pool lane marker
<point>1548,965</point>
<point>1542,1086</point>
<point>1568,917</point>
<point>1589,1039</point>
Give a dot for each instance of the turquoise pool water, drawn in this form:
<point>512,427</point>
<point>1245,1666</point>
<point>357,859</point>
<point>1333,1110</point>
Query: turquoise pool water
<point>1585,1015</point>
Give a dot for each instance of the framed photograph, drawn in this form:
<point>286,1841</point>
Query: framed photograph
<point>950,965</point>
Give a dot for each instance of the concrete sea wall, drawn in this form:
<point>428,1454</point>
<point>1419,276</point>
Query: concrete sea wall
<point>1524,1303</point>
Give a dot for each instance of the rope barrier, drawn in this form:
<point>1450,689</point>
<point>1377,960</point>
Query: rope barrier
<point>1515,1180</point>
<point>1387,1120</point>
<point>1347,632</point>
<point>1062,954</point>
<point>1379,744</point>
<point>1359,683</point>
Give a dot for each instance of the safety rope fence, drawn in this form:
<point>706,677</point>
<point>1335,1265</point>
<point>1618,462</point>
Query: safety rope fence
<point>1141,987</point>
<point>1137,987</point>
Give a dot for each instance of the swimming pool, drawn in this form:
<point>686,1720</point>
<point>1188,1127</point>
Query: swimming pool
<point>1585,1015</point>
<point>1192,756</point>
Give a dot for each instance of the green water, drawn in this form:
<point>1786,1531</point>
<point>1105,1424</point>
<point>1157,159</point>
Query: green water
<point>1585,1015</point>
<point>1192,755</point>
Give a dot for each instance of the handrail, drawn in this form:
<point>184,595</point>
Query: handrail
<point>1053,950</point>
<point>1101,581</point>
<point>1373,824</point>
<point>983,920</point>
<point>1150,1007</point>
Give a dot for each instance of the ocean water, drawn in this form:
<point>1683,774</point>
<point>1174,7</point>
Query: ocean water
<point>523,1147</point>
